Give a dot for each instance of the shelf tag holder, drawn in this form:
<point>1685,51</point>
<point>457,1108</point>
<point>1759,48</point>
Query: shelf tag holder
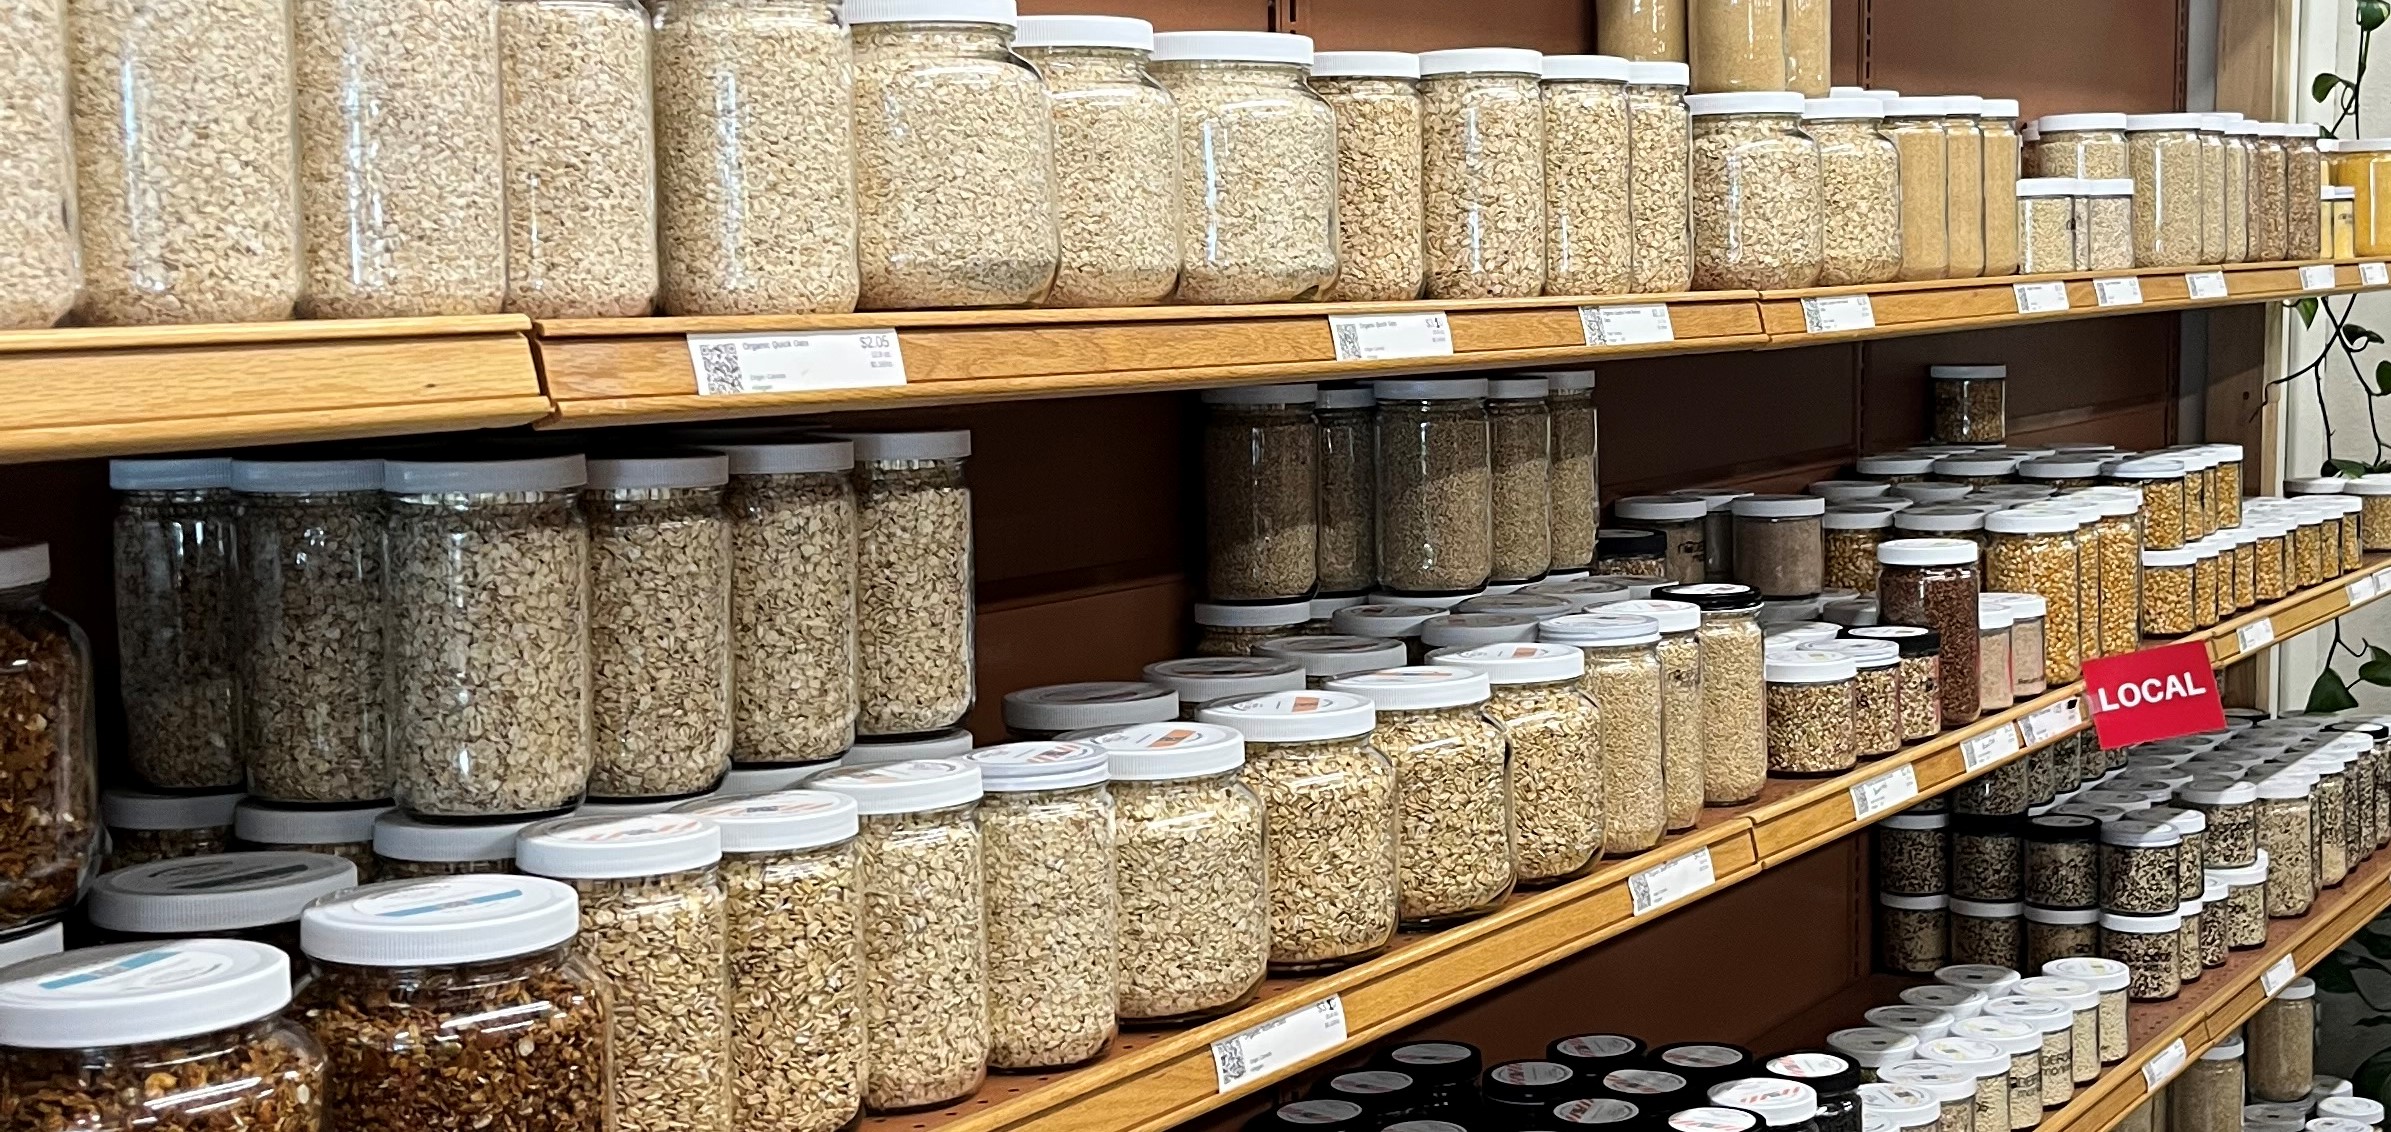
<point>1832,313</point>
<point>2121,292</point>
<point>1635,325</point>
<point>795,362</point>
<point>2363,590</point>
<point>2163,1066</point>
<point>1883,792</point>
<point>2255,635</point>
<point>2040,298</point>
<point>2052,722</point>
<point>2374,275</point>
<point>2317,277</point>
<point>1671,881</point>
<point>1989,748</point>
<point>1273,1047</point>
<point>1375,337</point>
<point>2206,285</point>
<point>2278,976</point>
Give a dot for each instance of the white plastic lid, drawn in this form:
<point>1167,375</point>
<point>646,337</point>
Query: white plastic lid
<point>1872,1047</point>
<point>1829,109</point>
<point>1338,655</point>
<point>440,920</point>
<point>1362,64</point>
<point>1607,629</point>
<point>1746,102</point>
<point>1993,980</point>
<point>1776,1101</point>
<point>2185,557</point>
<point>2315,485</point>
<point>1906,1106</point>
<point>141,992</point>
<point>1100,703</point>
<point>2134,833</point>
<point>2024,607</point>
<point>711,469</point>
<point>23,563</point>
<point>2007,1034</point>
<point>2141,925</point>
<point>632,845</point>
<point>1659,74</point>
<point>1671,508</point>
<point>2074,994</point>
<point>2055,123</point>
<point>34,943</point>
<point>2109,187</point>
<point>1932,492</point>
<point>2032,522</point>
<point>777,822</point>
<point>1517,388</point>
<point>1271,616</point>
<point>1586,68</point>
<point>798,458</point>
<point>1925,1022</point>
<point>2298,988</point>
<point>1857,519</point>
<point>1993,613</point>
<point>441,477</point>
<point>2036,187</point>
<point>1294,717</point>
<point>1481,60</point>
<point>1848,491</point>
<point>1926,552</point>
<point>909,787</point>
<point>1519,663</point>
<point>949,744</point>
<point>299,477</point>
<point>132,809</point>
<point>1999,108</point>
<point>1801,666</point>
<point>2101,975</point>
<point>930,11</point>
<point>1913,106</point>
<point>1417,687</point>
<point>2140,122</point>
<point>179,473</point>
<point>402,838</point>
<point>1196,679</point>
<point>1987,910</point>
<point>1936,903</point>
<point>1295,393</point>
<point>1704,1118</point>
<point>260,824</point>
<point>1166,752</point>
<point>1019,768</point>
<point>1671,616</point>
<point>2285,785</point>
<point>2041,915</point>
<point>219,893</point>
<point>1084,31</point>
<point>2377,484</point>
<point>1972,1055</point>
<point>1778,506</point>
<point>2364,1110</point>
<point>1947,1082</point>
<point>1963,105</point>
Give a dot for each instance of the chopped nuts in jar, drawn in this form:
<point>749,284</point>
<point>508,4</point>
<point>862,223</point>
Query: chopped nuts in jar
<point>1452,803</point>
<point>1851,536</point>
<point>1919,673</point>
<point>1876,694</point>
<point>1810,708</point>
<point>1556,770</point>
<point>1375,96</point>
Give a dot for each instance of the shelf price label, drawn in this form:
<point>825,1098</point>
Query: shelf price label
<point>2275,978</point>
<point>1990,747</point>
<point>2255,635</point>
<point>2374,275</point>
<point>2040,298</point>
<point>2317,277</point>
<point>2163,1066</point>
<point>1373,337</point>
<point>1671,881</point>
<point>1883,792</point>
<point>1635,325</point>
<point>731,364</point>
<point>2205,284</point>
<point>1834,313</point>
<point>2125,292</point>
<point>1277,1045</point>
<point>2052,722</point>
<point>2363,590</point>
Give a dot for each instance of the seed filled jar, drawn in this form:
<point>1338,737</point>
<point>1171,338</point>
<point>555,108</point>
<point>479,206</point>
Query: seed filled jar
<point>2167,593</point>
<point>1735,736</point>
<point>1681,521</point>
<point>1996,680</point>
<point>1915,126</point>
<point>2029,639</point>
<point>1987,863</point>
<point>2288,843</point>
<point>2282,1044</point>
<point>440,995</point>
<point>1574,506</point>
<point>1919,674</point>
<point>2270,220</point>
<point>2062,861</point>
<point>1660,133</point>
<point>1810,707</point>
<point>1257,166</point>
<point>1435,489</point>
<point>1589,229</point>
<point>2303,183</point>
<point>1979,1061</point>
<point>2163,151</point>
<point>914,609</point>
<point>2082,145</point>
<point>1872,1048</point>
<point>1483,132</point>
<point>1860,178</point>
<point>1520,440</point>
<point>1682,697</point>
<point>793,592</point>
<point>1261,492</point>
<point>1913,854</point>
<point>925,947</point>
<point>2042,553</point>
<point>2083,1004</point>
<point>1932,583</point>
<point>160,827</point>
<point>1984,932</point>
<point>2215,945</point>
<point>1963,183</point>
<point>2140,867</point>
<point>1116,159</point>
<point>2060,933</point>
<point>1632,552</point>
<point>1737,45</point>
<point>1780,547</point>
<point>1624,679</point>
<point>489,599</point>
<point>2147,946</point>
<point>1913,936</point>
<point>1453,804</point>
<point>41,276</point>
<point>408,849</point>
<point>176,576</point>
<point>1535,694</point>
<point>1997,121</point>
<point>2054,1023</point>
<point>2353,551</point>
<point>1757,193</point>
<point>1953,1089</point>
<point>1375,96</point>
<point>1851,536</point>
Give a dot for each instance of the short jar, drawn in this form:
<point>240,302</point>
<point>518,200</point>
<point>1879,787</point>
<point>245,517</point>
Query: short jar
<point>2147,946</point>
<point>1757,193</point>
<point>1452,796</point>
<point>1780,548</point>
<point>2060,933</point>
<point>1811,700</point>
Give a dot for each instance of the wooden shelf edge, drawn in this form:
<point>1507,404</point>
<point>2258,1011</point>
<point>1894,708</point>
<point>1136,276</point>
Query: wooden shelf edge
<point>85,338</point>
<point>29,445</point>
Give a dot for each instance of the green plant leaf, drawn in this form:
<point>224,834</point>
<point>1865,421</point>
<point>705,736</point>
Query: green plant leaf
<point>2376,672</point>
<point>2330,694</point>
<point>2382,376</point>
<point>2307,309</point>
<point>2354,334</point>
<point>2333,979</point>
<point>2322,87</point>
<point>2347,469</point>
<point>2372,14</point>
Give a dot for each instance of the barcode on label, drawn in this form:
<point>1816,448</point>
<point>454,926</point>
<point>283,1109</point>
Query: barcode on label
<point>2374,275</point>
<point>1278,1045</point>
<point>1671,881</point>
<point>1634,325</point>
<point>2040,298</point>
<point>1883,792</point>
<point>1838,313</point>
<point>2205,284</point>
<point>730,364</point>
<point>2256,634</point>
<point>1990,747</point>
<point>2278,976</point>
<point>2126,292</point>
<point>2163,1066</point>
<point>2316,277</point>
<point>2051,722</point>
<point>1372,337</point>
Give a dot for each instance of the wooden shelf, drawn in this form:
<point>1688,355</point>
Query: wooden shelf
<point>1904,309</point>
<point>1152,1080</point>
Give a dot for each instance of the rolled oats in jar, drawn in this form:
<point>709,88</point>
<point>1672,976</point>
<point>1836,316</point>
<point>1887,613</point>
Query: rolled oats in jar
<point>1860,178</point>
<point>913,563</point>
<point>1483,125</point>
<point>41,274</point>
<point>1116,159</point>
<point>345,832</point>
<point>1257,166</point>
<point>1375,96</point>
<point>1682,699</point>
<point>1660,134</point>
<point>580,159</point>
<point>1810,708</point>
<point>1757,194</point>
<point>1435,485</point>
<point>1574,489</point>
<point>1963,183</point>
<point>160,827</point>
<point>1556,773</point>
<point>1046,828</point>
<point>1452,795</point>
<point>1589,244</point>
<point>2090,146</point>
<point>176,580</point>
<point>660,572</point>
<point>1920,676</point>
<point>1913,935</point>
<point>407,848</point>
<point>954,158</point>
<point>2164,151</point>
<point>1915,126</point>
<point>1735,735</point>
<point>1625,680</point>
<point>1520,443</point>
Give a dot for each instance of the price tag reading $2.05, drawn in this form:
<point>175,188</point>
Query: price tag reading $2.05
<point>1838,313</point>
<point>730,364</point>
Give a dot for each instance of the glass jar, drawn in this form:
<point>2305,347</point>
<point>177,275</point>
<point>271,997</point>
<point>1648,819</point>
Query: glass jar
<point>1375,96</point>
<point>1556,774</point>
<point>1987,932</point>
<point>2215,165</point>
<point>1435,485</point>
<point>1116,160</point>
<point>161,827</point>
<point>2147,946</point>
<point>1660,136</point>
<point>2140,867</point>
<point>580,158</point>
<point>2353,550</point>
<point>1574,483</point>
<point>1984,1063</point>
<point>942,101</point>
<point>1757,195</point>
<point>913,640</point>
<point>1915,126</point>
<point>1996,678</point>
<point>1919,674</point>
<point>1188,858</point>
<point>1860,178</point>
<point>1234,630</point>
<point>925,950</point>
<point>2207,1095</point>
<point>1876,703</point>
<point>2060,933</point>
<point>1851,537</point>
<point>309,633</point>
<point>2244,908</point>
<point>2270,180</point>
<point>1683,524</point>
<point>1482,127</point>
<point>1963,183</point>
<point>1257,167</point>
<point>2282,1044</point>
<point>660,570</point>
<point>2287,842</point>
<point>2029,656</point>
<point>2337,219</point>
<point>1682,698</point>
<point>186,1033</point>
<point>2241,144</point>
<point>1953,1089</point>
<point>793,593</point>
<point>1632,552</point>
<point>1913,855</point>
<point>1811,698</point>
<point>1641,29</point>
<point>1912,933</point>
<point>2019,1045</point>
<point>1262,492</point>
<point>1735,735</point>
<point>1520,445</point>
<point>1737,45</point>
<point>2041,554</point>
<point>244,895</point>
<point>408,849</point>
<point>2164,150</point>
<point>175,620</point>
<point>1329,796</point>
<point>1624,679</point>
<point>2161,480</point>
<point>1932,583</point>
<point>400,215</point>
<point>1971,404</point>
<point>1780,547</point>
<point>445,995</point>
<point>52,819</point>
<point>42,270</point>
<point>1589,227</point>
<point>2002,161</point>
<point>1452,796</point>
<point>2045,219</point>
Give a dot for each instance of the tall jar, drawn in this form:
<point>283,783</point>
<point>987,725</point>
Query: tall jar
<point>1624,679</point>
<point>175,582</point>
<point>925,941</point>
<point>1916,127</point>
<point>1737,45</point>
<point>1963,183</point>
<point>941,102</point>
<point>660,625</point>
<point>1780,545</point>
<point>1520,441</point>
<point>2045,220</point>
<point>1576,473</point>
<point>1375,96</point>
<point>755,194</point>
<point>1482,126</point>
<point>310,633</point>
<point>1452,797</point>
<point>1641,30</point>
<point>2287,840</point>
<point>1328,796</point>
<point>402,215</point>
<point>1556,770</point>
<point>2164,150</point>
<point>1809,47</point>
<point>1435,485</point>
<point>2240,154</point>
<point>1053,913</point>
<point>655,923</point>
<point>434,997</point>
<point>2270,216</point>
<point>1116,160</point>
<point>2086,146</point>
<point>1860,173</point>
<point>185,184</point>
<point>1932,583</point>
<point>489,603</point>
<point>913,566</point>
<point>2118,538</point>
<point>1757,193</point>
<point>2282,1042</point>
<point>2001,164</point>
<point>1734,678</point>
<point>2208,1095</point>
<point>1261,492</point>
<point>2215,162</point>
<point>2161,481</point>
<point>1811,701</point>
<point>580,160</point>
<point>1589,218</point>
<point>793,601</point>
<point>2042,553</point>
<point>1346,459</point>
<point>1660,137</point>
<point>51,819</point>
<point>2303,181</point>
<point>1257,166</point>
<point>1682,695</point>
<point>1188,852</point>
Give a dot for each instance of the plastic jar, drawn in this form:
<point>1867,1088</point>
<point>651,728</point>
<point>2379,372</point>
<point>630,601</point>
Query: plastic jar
<point>2241,145</point>
<point>2287,841</point>
<point>1682,700</point>
<point>1851,537</point>
<point>2090,146</point>
<point>2215,166</point>
<point>2054,1022</point>
<point>253,896</point>
<point>1737,45</point>
<point>1876,703</point>
<point>2139,866</point>
<point>1261,492</point>
<point>1520,444</point>
<point>1971,405</point>
<point>1912,855</point>
<point>347,833</point>
<point>2167,592</point>
<point>1452,801</point>
<point>2353,551</point>
<point>2164,150</point>
<point>1188,859</point>
<point>1632,552</point>
<point>2207,1095</point>
<point>2215,944</point>
<point>1375,96</point>
<point>793,593</point>
<point>1682,523</point>
<point>1435,485</point>
<point>408,849</point>
<point>2374,514</point>
<point>1998,124</point>
<point>1810,706</point>
<point>2045,218</point>
<point>1933,583</point>
<point>1996,677</point>
<point>1872,1048</point>
<point>1641,29</point>
<point>1987,863</point>
<point>489,596</point>
<point>1660,133</point>
<point>2146,945</point>
<point>1989,1062</point>
<point>1915,126</point>
<point>1116,157</point>
<point>2282,1043</point>
<point>2041,553</point>
<point>2028,645</point>
<point>1780,545</point>
<point>1234,630</point>
<point>2104,223</point>
<point>2340,202</point>
<point>1832,1079</point>
<point>1953,1089</point>
<point>925,950</point>
<point>41,277</point>
<point>1624,679</point>
<point>2269,193</point>
<point>2060,933</point>
<point>1983,932</point>
<point>2106,980</point>
<point>913,640</point>
<point>1257,166</point>
<point>1757,194</point>
<point>2364,1111</point>
<point>1482,127</point>
<point>162,827</point>
<point>2083,1003</point>
<point>1556,776</point>
<point>1860,179</point>
<point>1920,676</point>
<point>1963,183</point>
<point>1589,228</point>
<point>176,577</point>
<point>1735,737</point>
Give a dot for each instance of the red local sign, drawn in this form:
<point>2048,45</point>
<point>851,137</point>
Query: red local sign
<point>2154,694</point>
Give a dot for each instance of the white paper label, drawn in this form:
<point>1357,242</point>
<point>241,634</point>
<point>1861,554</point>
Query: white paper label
<point>2205,284</point>
<point>2163,1066</point>
<point>2051,722</point>
<point>2316,277</point>
<point>1669,882</point>
<point>1990,747</point>
<point>2277,977</point>
<point>2256,635</point>
<point>2374,275</point>
<point>1628,325</point>
<point>2040,298</point>
<point>729,364</point>
<point>1276,1045</point>
<point>2126,292</point>
<point>2363,591</point>
<point>1838,312</point>
<point>1370,337</point>
<point>1883,792</point>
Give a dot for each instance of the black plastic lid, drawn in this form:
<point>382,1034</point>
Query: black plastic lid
<point>1985,825</point>
<point>1321,1115</point>
<point>1378,1091</point>
<point>1610,1113</point>
<point>1830,1073</point>
<point>1712,597</point>
<point>1650,1088</point>
<point>1534,1083</point>
<point>1614,542</point>
<point>1913,640</point>
<point>1434,1064</point>
<point>2062,827</point>
<point>1593,1055</point>
<point>1703,1063</point>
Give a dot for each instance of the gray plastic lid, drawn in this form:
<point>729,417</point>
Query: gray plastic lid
<point>305,477</point>
<point>632,473</point>
<point>218,893</point>
<point>184,473</point>
<point>1102,703</point>
<point>133,809</point>
<point>402,838</point>
<point>443,477</point>
<point>259,823</point>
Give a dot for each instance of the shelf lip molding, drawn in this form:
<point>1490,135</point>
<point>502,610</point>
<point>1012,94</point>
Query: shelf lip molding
<point>1158,1083</point>
<point>95,392</point>
<point>1942,306</point>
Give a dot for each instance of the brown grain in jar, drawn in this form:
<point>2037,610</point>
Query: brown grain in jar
<point>1932,583</point>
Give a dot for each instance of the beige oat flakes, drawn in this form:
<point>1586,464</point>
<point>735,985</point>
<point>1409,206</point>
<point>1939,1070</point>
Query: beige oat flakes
<point>1435,497</point>
<point>2167,197</point>
<point>925,958</point>
<point>1861,186</point>
<point>580,158</point>
<point>792,616</point>
<point>1195,919</point>
<point>1520,444</point>
<point>913,607</point>
<point>1258,192</point>
<point>662,942</point>
<point>1052,925</point>
<point>1330,810</point>
<point>1589,243</point>
<point>659,641</point>
<point>1756,204</point>
<point>1378,188</point>
<point>1116,177</point>
<point>1483,184</point>
<point>1963,188</point>
<point>1556,778</point>
<point>1660,136</point>
<point>175,589</point>
<point>311,649</point>
<point>39,274</point>
<point>1625,685</point>
<point>1452,810</point>
<point>797,1047</point>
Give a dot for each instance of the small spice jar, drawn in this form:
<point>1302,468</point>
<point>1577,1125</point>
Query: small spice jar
<point>2147,945</point>
<point>2168,588</point>
<point>1261,492</point>
<point>1234,630</point>
<point>1981,1062</point>
<point>1757,196</point>
<point>1919,673</point>
<point>2083,1002</point>
<point>1987,863</point>
<point>1779,544</point>
<point>1861,191</point>
<point>1996,677</point>
<point>1632,552</point>
<point>406,848</point>
<point>1257,166</point>
<point>1682,522</point>
<point>1876,699</point>
<point>162,827</point>
<point>2018,1045</point>
<point>1452,804</point>
<point>1871,1048</point>
<point>2060,933</point>
<point>2055,1021</point>
<point>1851,536</point>
<point>346,832</point>
<point>2139,867</point>
<point>176,577</point>
<point>1913,933</point>
<point>1932,583</point>
<point>2287,841</point>
<point>1912,854</point>
<point>1116,175</point>
<point>1811,700</point>
<point>1953,1090</point>
<point>2282,1043</point>
<point>1984,932</point>
<point>1375,96</point>
<point>1970,404</point>
<point>2062,861</point>
<point>1435,485</point>
<point>254,896</point>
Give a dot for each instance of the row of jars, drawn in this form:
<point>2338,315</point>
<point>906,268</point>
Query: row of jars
<point>2208,188</point>
<point>1731,45</point>
<point>338,631</point>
